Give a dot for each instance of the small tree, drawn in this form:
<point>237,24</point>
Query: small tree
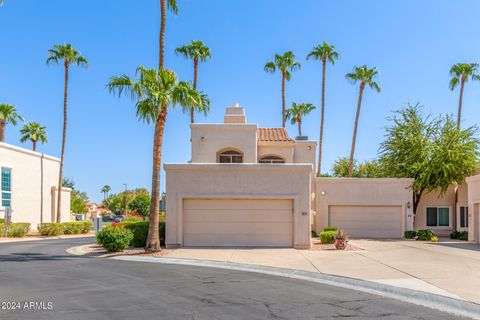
<point>140,204</point>
<point>435,153</point>
<point>366,169</point>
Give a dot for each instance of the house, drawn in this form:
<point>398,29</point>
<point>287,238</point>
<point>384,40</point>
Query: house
<point>252,186</point>
<point>29,186</point>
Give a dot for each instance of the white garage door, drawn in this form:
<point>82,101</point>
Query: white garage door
<point>239,222</point>
<point>368,221</point>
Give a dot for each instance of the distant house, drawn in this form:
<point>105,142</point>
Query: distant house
<point>251,186</point>
<point>29,186</point>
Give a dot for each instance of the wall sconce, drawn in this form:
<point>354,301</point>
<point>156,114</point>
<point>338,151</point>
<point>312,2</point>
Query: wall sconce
<point>309,148</point>
<point>323,193</point>
<point>202,139</point>
<point>409,205</point>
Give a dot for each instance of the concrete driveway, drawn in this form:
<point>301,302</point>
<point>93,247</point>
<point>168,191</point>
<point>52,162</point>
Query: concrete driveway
<point>447,268</point>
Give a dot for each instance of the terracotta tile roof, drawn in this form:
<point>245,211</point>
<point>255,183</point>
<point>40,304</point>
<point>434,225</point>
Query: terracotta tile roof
<point>273,134</point>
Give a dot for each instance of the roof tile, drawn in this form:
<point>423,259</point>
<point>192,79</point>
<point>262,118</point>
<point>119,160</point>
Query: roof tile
<point>273,134</point>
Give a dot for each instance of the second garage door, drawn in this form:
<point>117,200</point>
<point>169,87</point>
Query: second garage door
<point>368,221</point>
<point>238,222</point>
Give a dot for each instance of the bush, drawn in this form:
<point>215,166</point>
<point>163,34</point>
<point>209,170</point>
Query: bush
<point>411,234</point>
<point>77,227</point>
<point>313,234</point>
<point>330,228</point>
<point>51,229</point>
<point>454,235</point>
<point>327,237</point>
<point>463,236</point>
<point>114,239</point>
<point>434,239</point>
<point>131,219</point>
<point>15,229</point>
<point>2,221</point>
<point>425,235</point>
<point>140,233</point>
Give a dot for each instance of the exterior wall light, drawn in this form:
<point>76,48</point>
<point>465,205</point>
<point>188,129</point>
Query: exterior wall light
<point>409,205</point>
<point>202,139</point>
<point>309,148</point>
<point>323,193</point>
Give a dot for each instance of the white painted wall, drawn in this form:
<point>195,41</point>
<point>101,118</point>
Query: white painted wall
<point>28,191</point>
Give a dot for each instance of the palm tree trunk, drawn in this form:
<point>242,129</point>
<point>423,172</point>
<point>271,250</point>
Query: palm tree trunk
<point>34,144</point>
<point>322,117</point>
<point>283,98</point>
<point>299,122</point>
<point>352,151</point>
<point>2,131</point>
<point>153,240</point>
<point>64,136</point>
<point>460,100</point>
<point>195,76</point>
<point>163,23</point>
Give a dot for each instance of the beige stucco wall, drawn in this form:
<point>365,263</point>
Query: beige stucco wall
<point>305,152</point>
<point>239,181</point>
<point>209,139</point>
<point>473,183</point>
<point>27,188</point>
<point>362,192</point>
<point>436,199</point>
<point>282,149</point>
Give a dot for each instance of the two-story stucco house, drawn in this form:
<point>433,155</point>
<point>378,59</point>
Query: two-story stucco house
<point>29,186</point>
<point>252,186</point>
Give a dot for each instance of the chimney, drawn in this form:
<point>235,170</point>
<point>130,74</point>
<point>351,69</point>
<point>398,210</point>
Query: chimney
<point>235,114</point>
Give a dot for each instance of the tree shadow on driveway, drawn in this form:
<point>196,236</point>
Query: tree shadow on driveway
<point>31,256</point>
<point>459,245</point>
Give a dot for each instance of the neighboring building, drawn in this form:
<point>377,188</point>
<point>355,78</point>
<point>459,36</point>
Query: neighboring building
<point>28,186</point>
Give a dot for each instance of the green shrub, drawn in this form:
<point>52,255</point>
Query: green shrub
<point>133,219</point>
<point>327,237</point>
<point>411,234</point>
<point>463,236</point>
<point>140,233</point>
<point>454,235</point>
<point>114,239</point>
<point>77,227</point>
<point>330,228</point>
<point>425,235</point>
<point>2,221</point>
<point>15,229</point>
<point>51,229</point>
<point>313,234</point>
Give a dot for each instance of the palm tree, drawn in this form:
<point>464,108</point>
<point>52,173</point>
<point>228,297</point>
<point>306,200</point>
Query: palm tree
<point>365,76</point>
<point>8,113</point>
<point>69,56</point>
<point>105,190</point>
<point>460,73</point>
<point>296,112</point>
<point>172,5</point>
<point>323,52</point>
<point>34,132</point>
<point>153,91</point>
<point>285,63</point>
<point>197,51</point>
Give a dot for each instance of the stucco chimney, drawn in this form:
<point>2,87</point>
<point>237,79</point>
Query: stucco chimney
<point>235,114</point>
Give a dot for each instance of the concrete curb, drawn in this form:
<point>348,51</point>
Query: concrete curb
<point>429,300</point>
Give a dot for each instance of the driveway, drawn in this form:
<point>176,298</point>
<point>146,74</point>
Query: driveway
<point>81,287</point>
<point>447,268</point>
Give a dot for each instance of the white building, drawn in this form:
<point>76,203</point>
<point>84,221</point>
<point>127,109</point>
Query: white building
<point>29,186</point>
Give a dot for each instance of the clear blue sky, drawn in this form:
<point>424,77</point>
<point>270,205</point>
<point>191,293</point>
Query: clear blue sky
<point>412,43</point>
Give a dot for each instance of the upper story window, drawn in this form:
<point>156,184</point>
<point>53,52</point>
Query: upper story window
<point>230,156</point>
<point>271,159</point>
<point>6,187</point>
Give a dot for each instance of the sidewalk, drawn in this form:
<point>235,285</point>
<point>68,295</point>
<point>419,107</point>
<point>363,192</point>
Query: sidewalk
<point>37,238</point>
<point>451,269</point>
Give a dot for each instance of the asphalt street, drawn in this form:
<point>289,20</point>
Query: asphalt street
<point>39,280</point>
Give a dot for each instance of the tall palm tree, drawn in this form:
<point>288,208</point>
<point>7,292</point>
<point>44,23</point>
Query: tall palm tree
<point>296,112</point>
<point>198,52</point>
<point>105,190</point>
<point>164,4</point>
<point>69,56</point>
<point>323,52</point>
<point>153,91</point>
<point>34,132</point>
<point>460,73</point>
<point>8,113</point>
<point>284,63</point>
<point>365,76</point>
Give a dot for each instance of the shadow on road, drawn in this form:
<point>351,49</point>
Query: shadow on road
<point>30,256</point>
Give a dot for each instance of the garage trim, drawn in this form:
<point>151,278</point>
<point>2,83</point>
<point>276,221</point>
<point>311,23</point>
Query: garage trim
<point>185,196</point>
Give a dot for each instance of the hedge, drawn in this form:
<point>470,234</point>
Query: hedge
<point>57,229</point>
<point>114,239</point>
<point>327,237</point>
<point>425,235</point>
<point>140,233</point>
<point>411,234</point>
<point>15,229</point>
<point>459,235</point>
<point>330,228</point>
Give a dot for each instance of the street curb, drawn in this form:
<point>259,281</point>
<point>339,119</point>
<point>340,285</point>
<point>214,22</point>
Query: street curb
<point>429,300</point>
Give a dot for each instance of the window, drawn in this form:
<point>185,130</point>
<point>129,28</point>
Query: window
<point>230,156</point>
<point>463,217</point>
<point>6,187</point>
<point>438,217</point>
<point>271,159</point>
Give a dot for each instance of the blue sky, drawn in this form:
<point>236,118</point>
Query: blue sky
<point>412,43</point>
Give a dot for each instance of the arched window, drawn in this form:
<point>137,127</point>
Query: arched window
<point>271,159</point>
<point>230,156</point>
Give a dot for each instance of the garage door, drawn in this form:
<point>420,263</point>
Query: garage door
<point>368,221</point>
<point>239,222</point>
